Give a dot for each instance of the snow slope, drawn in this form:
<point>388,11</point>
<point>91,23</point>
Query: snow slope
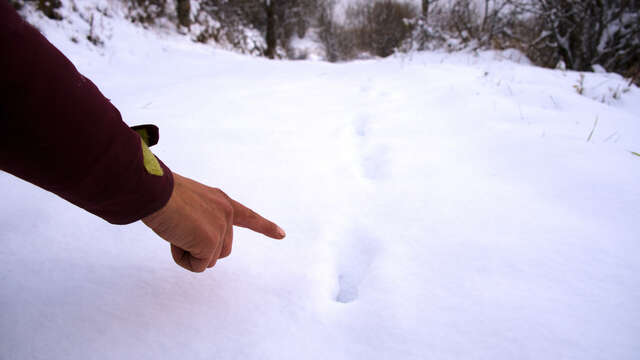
<point>437,206</point>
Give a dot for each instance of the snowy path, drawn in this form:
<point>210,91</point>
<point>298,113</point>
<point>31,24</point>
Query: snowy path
<point>438,207</point>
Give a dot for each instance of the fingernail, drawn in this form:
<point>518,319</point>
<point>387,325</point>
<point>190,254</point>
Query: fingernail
<point>281,232</point>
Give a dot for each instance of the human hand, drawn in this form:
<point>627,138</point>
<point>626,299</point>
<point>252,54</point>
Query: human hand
<point>198,222</point>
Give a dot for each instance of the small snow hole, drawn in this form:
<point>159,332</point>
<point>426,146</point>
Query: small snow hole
<point>348,291</point>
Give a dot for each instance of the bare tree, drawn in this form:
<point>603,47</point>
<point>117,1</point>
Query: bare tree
<point>284,19</point>
<point>426,4</point>
<point>589,32</point>
<point>329,31</point>
<point>463,19</point>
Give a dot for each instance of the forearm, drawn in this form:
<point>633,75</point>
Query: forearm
<point>59,132</point>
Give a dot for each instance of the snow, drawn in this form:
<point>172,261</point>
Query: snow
<point>437,206</point>
<point>307,48</point>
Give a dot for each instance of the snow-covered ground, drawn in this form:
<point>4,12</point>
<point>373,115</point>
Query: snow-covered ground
<point>437,206</point>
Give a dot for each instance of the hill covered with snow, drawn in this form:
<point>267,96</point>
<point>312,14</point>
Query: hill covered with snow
<point>437,206</point>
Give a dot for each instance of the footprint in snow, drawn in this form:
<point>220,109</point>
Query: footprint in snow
<point>356,259</point>
<point>361,125</point>
<point>374,158</point>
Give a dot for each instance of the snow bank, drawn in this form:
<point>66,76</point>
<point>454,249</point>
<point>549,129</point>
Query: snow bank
<point>439,206</point>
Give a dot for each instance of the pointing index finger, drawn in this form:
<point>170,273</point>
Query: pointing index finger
<point>247,218</point>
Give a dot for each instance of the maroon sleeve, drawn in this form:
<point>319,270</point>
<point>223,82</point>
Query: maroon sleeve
<point>59,132</point>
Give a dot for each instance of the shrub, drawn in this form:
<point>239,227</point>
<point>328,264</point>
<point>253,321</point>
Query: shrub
<point>375,28</point>
<point>49,8</point>
<point>145,11</point>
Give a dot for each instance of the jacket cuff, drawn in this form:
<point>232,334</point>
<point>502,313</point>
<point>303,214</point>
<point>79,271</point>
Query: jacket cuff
<point>150,190</point>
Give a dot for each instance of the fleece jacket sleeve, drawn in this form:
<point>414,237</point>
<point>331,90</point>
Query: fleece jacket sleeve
<point>60,133</point>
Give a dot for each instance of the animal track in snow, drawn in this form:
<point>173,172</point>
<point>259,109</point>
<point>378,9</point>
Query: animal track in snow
<point>348,289</point>
<point>361,125</point>
<point>356,259</point>
<point>374,158</point>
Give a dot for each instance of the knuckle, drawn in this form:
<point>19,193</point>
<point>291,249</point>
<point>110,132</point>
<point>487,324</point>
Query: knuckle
<point>219,192</point>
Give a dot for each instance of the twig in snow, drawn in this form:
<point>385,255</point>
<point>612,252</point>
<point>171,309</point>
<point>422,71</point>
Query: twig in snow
<point>580,85</point>
<point>611,136</point>
<point>593,130</point>
<point>510,91</point>
<point>520,111</point>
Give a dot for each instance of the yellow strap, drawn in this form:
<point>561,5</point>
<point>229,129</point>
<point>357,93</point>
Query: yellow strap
<point>150,161</point>
<point>144,135</point>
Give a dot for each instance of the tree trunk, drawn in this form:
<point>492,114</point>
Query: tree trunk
<point>425,10</point>
<point>183,8</point>
<point>271,29</point>
<point>486,15</point>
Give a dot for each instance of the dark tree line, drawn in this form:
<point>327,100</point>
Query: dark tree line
<point>370,28</point>
<point>48,7</point>
<point>580,33</point>
<point>589,32</point>
<point>286,18</point>
<point>277,20</point>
